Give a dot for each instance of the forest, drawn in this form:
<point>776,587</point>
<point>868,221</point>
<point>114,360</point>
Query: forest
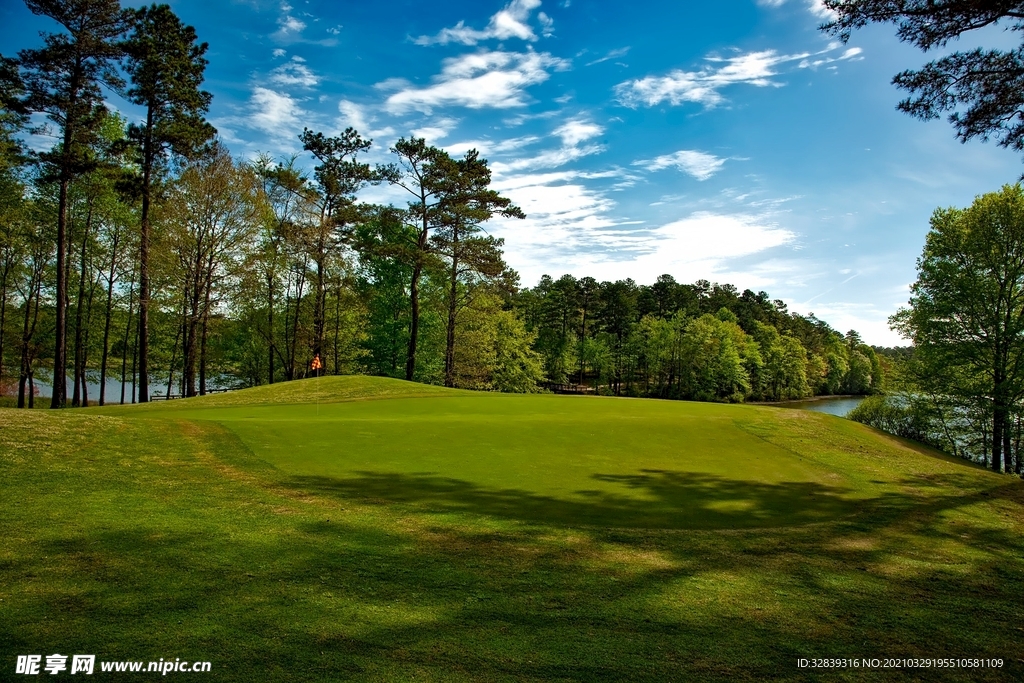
<point>143,255</point>
<point>251,277</point>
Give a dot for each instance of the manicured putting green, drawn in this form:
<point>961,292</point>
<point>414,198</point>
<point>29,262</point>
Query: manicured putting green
<point>543,458</point>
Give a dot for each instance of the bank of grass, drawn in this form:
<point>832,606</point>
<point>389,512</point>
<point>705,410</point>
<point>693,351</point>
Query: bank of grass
<point>478,537</point>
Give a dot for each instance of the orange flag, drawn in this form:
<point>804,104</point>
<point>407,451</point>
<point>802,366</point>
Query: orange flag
<point>316,364</point>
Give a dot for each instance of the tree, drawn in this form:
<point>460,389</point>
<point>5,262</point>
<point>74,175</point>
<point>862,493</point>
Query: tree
<point>339,176</point>
<point>209,216</point>
<point>984,89</point>
<point>284,192</point>
<point>166,69</point>
<point>467,202</point>
<point>419,172</point>
<point>63,80</point>
<point>966,312</point>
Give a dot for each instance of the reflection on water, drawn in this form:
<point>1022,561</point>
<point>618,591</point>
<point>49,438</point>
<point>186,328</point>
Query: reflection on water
<point>841,405</point>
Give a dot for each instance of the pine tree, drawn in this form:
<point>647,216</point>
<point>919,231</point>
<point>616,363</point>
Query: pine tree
<point>64,80</point>
<point>166,68</point>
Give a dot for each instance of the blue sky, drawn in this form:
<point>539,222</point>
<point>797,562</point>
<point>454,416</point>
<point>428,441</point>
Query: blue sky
<point>730,141</point>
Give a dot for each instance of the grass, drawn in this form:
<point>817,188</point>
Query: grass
<point>402,532</point>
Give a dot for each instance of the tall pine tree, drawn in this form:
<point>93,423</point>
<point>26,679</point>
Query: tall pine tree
<point>166,68</point>
<point>64,80</point>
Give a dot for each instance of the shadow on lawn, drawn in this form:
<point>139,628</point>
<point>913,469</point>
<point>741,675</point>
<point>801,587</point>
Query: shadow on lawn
<point>343,599</point>
<point>658,499</point>
<point>275,587</point>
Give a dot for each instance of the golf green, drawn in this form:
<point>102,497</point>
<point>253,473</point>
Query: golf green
<point>564,459</point>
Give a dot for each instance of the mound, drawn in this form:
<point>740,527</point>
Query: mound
<point>306,391</point>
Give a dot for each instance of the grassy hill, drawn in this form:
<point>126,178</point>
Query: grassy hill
<point>356,528</point>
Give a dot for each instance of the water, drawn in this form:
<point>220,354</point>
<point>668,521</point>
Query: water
<point>113,394</point>
<point>840,405</point>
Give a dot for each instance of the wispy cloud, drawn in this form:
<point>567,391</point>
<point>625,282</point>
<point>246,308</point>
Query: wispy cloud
<point>488,147</point>
<point>509,22</point>
<point>813,63</point>
<point>481,80</point>
<point>700,165</point>
<point>290,25</point>
<point>276,114</point>
<point>815,7</point>
<point>575,131</point>
<point>614,54</point>
<point>571,133</point>
<point>294,73</point>
<point>705,86</point>
<point>355,116</point>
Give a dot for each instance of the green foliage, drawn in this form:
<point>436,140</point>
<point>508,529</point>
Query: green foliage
<point>966,312</point>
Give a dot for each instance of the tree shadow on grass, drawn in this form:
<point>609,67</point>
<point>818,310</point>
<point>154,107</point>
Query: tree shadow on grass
<point>653,499</point>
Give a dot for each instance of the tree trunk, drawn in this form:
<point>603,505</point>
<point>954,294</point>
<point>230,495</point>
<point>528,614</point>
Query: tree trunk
<point>8,264</point>
<point>143,343</point>
<point>124,351</point>
<point>106,323</point>
<point>205,325</point>
<point>59,395</point>
<point>319,307</point>
<point>202,354</point>
<point>337,328</point>
<point>174,357</point>
<point>270,329</point>
<point>79,371</point>
<point>26,337</point>
<point>414,323</point>
<point>453,294</point>
<point>135,355</point>
<point>85,342</point>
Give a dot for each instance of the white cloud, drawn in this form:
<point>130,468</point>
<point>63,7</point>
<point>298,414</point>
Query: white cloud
<point>571,133</point>
<point>279,52</point>
<point>577,130</point>
<point>509,22</point>
<point>355,116</point>
<point>290,24</point>
<point>818,9</point>
<point>614,54</point>
<point>704,86</point>
<point>480,80</point>
<point>700,165</point>
<point>547,25</point>
<point>487,147</point>
<point>432,134</point>
<point>815,7</point>
<point>851,53</point>
<point>570,224</point>
<point>294,73</point>
<point>274,113</point>
<point>870,320</point>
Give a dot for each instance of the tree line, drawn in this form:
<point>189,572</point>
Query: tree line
<point>699,341</point>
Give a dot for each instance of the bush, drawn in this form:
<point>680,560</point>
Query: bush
<point>897,415</point>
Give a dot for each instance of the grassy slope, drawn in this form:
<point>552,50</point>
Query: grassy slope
<point>480,537</point>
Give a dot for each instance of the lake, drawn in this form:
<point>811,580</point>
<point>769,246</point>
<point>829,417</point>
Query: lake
<point>837,405</point>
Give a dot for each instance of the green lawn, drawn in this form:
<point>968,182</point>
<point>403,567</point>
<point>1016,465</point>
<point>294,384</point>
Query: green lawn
<point>370,529</point>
